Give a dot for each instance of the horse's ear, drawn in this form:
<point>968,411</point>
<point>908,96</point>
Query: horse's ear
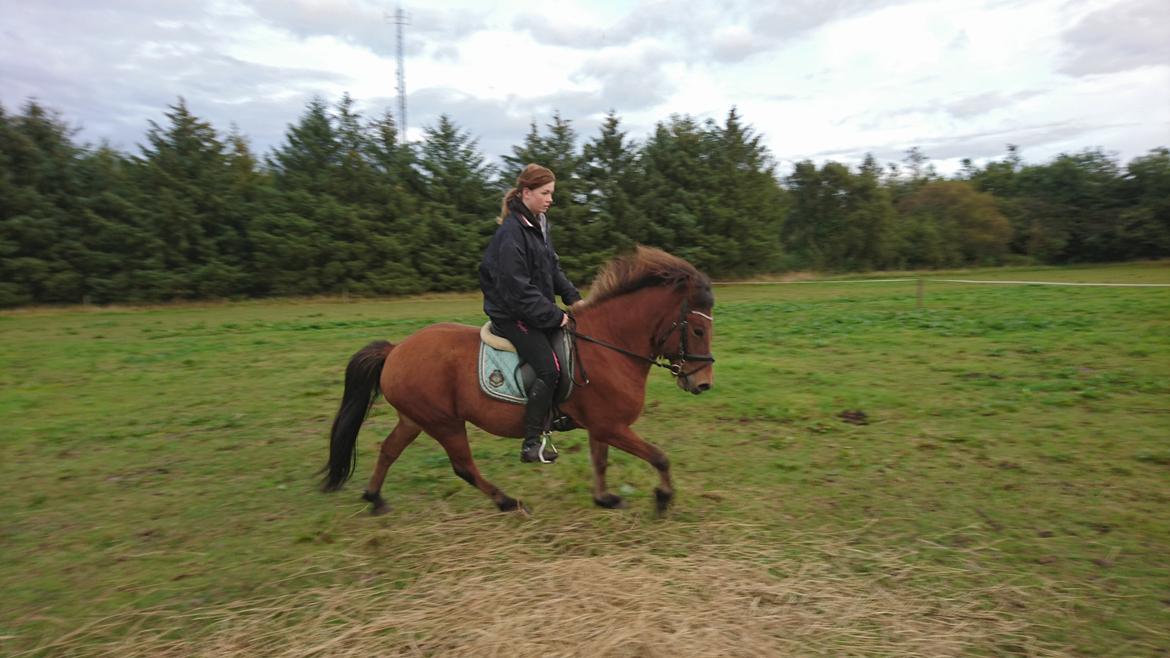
<point>706,294</point>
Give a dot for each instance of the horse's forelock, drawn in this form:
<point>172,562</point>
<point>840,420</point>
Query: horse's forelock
<point>703,296</point>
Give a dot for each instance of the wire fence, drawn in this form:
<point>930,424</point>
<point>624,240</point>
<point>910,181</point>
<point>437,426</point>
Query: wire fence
<point>920,283</point>
<point>936,280</point>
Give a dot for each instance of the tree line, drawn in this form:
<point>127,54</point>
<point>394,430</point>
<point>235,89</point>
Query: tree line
<point>343,206</point>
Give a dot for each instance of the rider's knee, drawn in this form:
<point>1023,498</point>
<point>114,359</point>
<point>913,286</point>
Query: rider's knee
<point>549,378</point>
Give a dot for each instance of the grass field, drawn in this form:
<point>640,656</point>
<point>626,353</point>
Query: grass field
<point>1006,495</point>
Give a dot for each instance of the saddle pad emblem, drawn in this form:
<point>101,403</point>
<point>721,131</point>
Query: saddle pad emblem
<point>496,379</point>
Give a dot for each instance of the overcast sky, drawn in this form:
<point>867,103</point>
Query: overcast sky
<point>820,79</point>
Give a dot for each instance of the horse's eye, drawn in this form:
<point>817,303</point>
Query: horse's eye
<point>699,333</point>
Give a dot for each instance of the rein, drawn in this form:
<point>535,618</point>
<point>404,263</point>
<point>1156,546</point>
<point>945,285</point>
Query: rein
<point>677,368</point>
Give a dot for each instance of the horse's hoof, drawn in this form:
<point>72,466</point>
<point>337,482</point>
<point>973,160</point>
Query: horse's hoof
<point>662,500</point>
<point>609,501</point>
<point>513,505</point>
<point>378,504</point>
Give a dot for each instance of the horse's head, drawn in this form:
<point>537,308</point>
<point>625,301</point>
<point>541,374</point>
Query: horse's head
<point>680,302</point>
<point>688,347</point>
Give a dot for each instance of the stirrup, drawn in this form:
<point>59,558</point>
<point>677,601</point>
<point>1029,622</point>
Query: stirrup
<point>527,456</point>
<point>546,440</point>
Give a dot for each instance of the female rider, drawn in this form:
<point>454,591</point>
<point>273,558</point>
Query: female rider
<point>519,275</point>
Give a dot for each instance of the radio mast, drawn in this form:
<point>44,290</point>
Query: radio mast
<point>400,19</point>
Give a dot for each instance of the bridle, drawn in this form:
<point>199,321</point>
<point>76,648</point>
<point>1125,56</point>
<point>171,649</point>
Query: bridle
<point>676,366</point>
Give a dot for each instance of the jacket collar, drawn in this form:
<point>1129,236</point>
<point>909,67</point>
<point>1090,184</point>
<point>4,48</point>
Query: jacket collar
<point>524,214</point>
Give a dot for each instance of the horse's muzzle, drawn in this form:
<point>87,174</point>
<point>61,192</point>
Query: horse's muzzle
<point>695,389</point>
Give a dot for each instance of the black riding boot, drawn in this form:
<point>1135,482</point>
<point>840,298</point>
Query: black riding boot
<point>535,416</point>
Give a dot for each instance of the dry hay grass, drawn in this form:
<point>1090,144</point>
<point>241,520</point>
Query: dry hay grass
<point>487,585</point>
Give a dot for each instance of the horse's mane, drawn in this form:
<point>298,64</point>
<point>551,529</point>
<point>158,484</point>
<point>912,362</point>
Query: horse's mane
<point>646,267</point>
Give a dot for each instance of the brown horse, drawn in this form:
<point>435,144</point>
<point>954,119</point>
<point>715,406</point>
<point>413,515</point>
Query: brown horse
<point>643,306</point>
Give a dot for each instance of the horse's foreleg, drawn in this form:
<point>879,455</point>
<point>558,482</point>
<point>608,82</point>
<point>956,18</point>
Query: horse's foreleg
<point>401,436</point>
<point>454,441</point>
<point>624,438</point>
<point>599,455</point>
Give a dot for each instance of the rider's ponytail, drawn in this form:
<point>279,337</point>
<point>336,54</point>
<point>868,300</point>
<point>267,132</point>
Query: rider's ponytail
<point>512,194</point>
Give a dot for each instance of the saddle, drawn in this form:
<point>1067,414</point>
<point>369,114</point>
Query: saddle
<point>502,375</point>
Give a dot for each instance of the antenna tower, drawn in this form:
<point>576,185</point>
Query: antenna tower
<point>400,19</point>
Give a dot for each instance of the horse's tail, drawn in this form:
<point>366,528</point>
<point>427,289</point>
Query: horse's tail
<point>361,389</point>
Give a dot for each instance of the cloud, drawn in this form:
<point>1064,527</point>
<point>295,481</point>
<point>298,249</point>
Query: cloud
<point>630,81</point>
<point>1044,137</point>
<point>547,32</point>
<point>1127,35</point>
<point>370,25</point>
<point>967,107</point>
<point>984,103</point>
<point>777,22</point>
<point>500,124</point>
<point>64,56</point>
<point>727,33</point>
<point>649,18</point>
<point>112,66</point>
<point>496,124</point>
<point>736,43</point>
<point>993,142</point>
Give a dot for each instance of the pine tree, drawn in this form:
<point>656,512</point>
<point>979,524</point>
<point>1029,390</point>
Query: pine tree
<point>531,151</point>
<point>324,231</point>
<point>675,180</point>
<point>310,153</point>
<point>396,198</point>
<point>742,220</point>
<point>610,179</point>
<point>38,244</point>
<point>184,170</point>
<point>394,162</point>
<point>454,224</point>
<point>125,253</point>
<point>454,170</point>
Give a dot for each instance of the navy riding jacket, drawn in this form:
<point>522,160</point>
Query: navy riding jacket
<point>520,274</point>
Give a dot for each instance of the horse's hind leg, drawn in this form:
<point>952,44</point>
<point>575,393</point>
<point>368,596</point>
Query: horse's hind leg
<point>454,441</point>
<point>401,436</point>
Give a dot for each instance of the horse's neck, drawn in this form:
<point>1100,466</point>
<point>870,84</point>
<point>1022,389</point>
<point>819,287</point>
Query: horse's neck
<point>631,321</point>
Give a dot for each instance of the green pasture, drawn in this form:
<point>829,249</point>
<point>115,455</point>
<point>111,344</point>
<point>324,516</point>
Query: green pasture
<point>1009,440</point>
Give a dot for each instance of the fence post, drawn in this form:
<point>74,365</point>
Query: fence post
<point>920,286</point>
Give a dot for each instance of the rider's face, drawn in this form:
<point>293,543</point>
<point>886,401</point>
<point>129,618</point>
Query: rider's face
<point>538,199</point>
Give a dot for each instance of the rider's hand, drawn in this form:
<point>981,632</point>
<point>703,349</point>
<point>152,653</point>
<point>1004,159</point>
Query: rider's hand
<point>577,306</point>
<point>564,319</point>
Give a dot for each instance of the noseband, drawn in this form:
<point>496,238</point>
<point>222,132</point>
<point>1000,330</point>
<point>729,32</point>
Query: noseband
<point>677,366</point>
